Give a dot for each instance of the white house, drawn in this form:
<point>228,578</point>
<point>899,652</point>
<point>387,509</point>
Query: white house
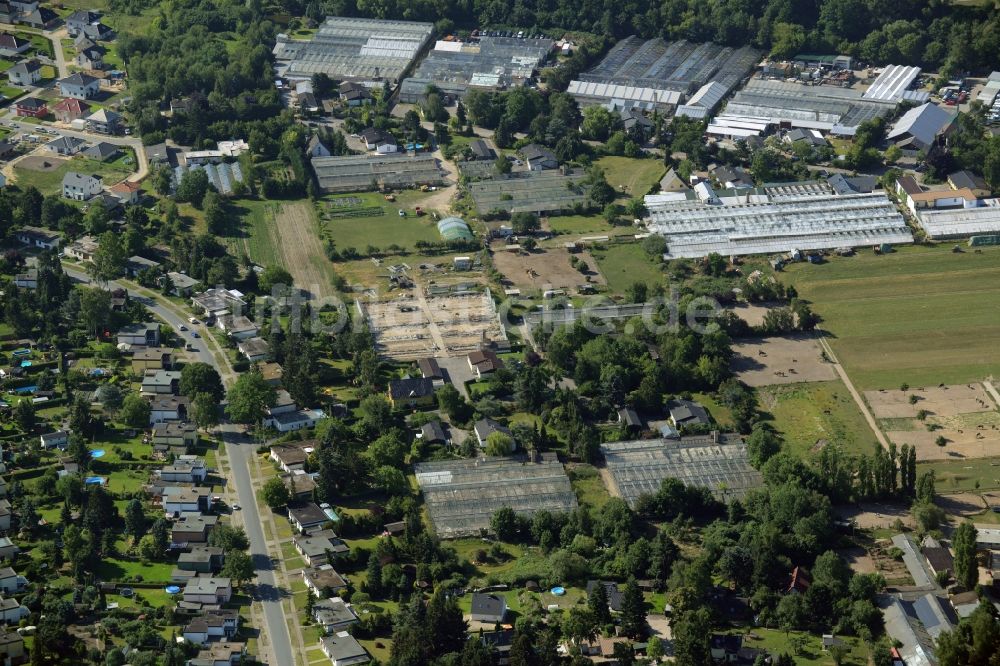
<point>186,469</point>
<point>213,626</point>
<point>316,148</point>
<point>238,327</point>
<point>11,611</point>
<point>344,650</point>
<point>12,45</point>
<point>79,86</point>
<point>168,408</point>
<point>5,514</point>
<point>10,582</point>
<point>51,440</point>
<point>79,186</point>
<point>292,421</point>
<point>209,590</point>
<point>334,614</point>
<point>41,238</point>
<point>25,73</point>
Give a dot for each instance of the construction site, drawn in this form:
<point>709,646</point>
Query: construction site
<point>433,322</point>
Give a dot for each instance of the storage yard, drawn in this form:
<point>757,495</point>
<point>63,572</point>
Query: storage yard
<point>654,74</point>
<point>763,224</point>
<point>366,51</point>
<point>489,63</point>
<point>717,462</point>
<point>414,326</point>
<point>462,495</point>
<point>529,192</point>
<point>357,173</point>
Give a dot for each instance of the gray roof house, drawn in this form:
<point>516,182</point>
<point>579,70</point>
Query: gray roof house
<point>65,145</point>
<point>333,614</point>
<point>920,127</point>
<point>79,86</point>
<point>80,186</point>
<point>344,650</point>
<point>486,427</point>
<point>102,150</point>
<point>687,413</point>
<point>539,157</point>
<point>488,608</point>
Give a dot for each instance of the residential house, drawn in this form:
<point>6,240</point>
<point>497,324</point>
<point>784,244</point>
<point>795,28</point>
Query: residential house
<point>8,549</point>
<point>809,137</point>
<point>916,197</point>
<point>344,650</point>
<point>292,456</point>
<point>939,559</point>
<point>429,369</point>
<point>25,73</point>
<point>90,57</point>
<point>98,32</point>
<point>40,238</point>
<point>79,186</point>
<point>27,280</point>
<point>483,362</point>
<point>209,590</point>
<point>31,107</point>
<point>168,408</point>
<point>379,140</point>
<point>217,302</point>
<point>317,546</point>
<point>12,649</point>
<point>433,433</point>
<point>12,45</point>
<point>323,581</point>
<point>333,615</point>
<point>255,349</point>
<point>202,559</point>
<point>185,469</point>
<point>220,654</point>
<point>70,109</point>
<point>283,403</point>
<point>11,611</point>
<point>315,148</point>
<point>185,500</point>
<point>10,582</point>
<point>539,157</point>
<point>175,434</point>
<point>237,327</point>
<point>182,285</point>
<point>799,581</point>
<point>628,419</point>
<point>481,151</point>
<point>611,590</point>
<point>158,154</point>
<point>355,94</point>
<point>966,180</point>
<point>486,427</point>
<point>272,373</point>
<point>292,421</point>
<point>191,528</point>
<point>103,121</point>
<point>42,18</point>
<point>499,643</point>
<point>411,392</point>
<point>307,103</point>
<point>220,625</point>
<point>65,145</point>
<point>135,265</point>
<point>146,334</point>
<point>102,150</point>
<point>488,608</point>
<point>160,382</point>
<point>128,192</point>
<point>152,358</point>
<point>300,485</point>
<point>79,86</point>
<point>78,20</point>
<point>54,440</point>
<point>307,516</point>
<point>733,177</point>
<point>82,249</point>
<point>920,128</point>
<point>5,514</point>
<point>686,413</point>
<point>725,647</point>
<point>7,13</point>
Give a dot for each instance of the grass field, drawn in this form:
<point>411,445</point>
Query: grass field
<point>955,475</point>
<point>638,176</point>
<point>625,263</point>
<point>776,641</point>
<point>253,237</point>
<point>585,224</point>
<point>808,413</point>
<point>922,315</point>
<point>381,230</point>
<point>50,182</point>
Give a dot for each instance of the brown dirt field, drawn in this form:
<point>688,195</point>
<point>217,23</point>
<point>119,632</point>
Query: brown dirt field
<point>973,443</point>
<point>758,362</point>
<point>551,269</point>
<point>858,559</point>
<point>39,162</point>
<point>940,401</point>
<point>965,505</point>
<point>752,313</point>
<point>894,571</point>
<point>870,515</point>
<point>297,234</point>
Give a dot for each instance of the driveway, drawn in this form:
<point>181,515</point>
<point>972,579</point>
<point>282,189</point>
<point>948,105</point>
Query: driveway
<point>457,371</point>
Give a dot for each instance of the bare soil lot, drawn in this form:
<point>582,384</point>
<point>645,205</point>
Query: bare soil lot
<point>858,559</point>
<point>781,360</point>
<point>961,504</point>
<point>871,515</point>
<point>939,401</point>
<point>545,269</point>
<point>752,313</point>
<point>43,163</point>
<point>962,443</point>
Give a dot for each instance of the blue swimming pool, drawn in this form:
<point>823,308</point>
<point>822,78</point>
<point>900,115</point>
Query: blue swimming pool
<point>172,589</point>
<point>24,390</point>
<point>97,453</point>
<point>559,591</point>
<point>21,352</point>
<point>95,480</point>
<point>25,364</point>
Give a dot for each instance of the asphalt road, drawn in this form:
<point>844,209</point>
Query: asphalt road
<point>239,448</point>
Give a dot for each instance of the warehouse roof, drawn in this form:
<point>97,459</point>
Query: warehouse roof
<point>891,83</point>
<point>923,123</point>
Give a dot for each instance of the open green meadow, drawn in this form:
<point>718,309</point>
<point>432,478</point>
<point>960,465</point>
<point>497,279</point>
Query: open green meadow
<point>921,315</point>
<point>625,263</point>
<point>637,175</point>
<point>256,235</point>
<point>959,475</point>
<point>49,181</point>
<point>366,218</point>
<point>807,414</point>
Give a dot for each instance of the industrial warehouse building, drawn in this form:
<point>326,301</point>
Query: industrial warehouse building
<point>654,74</point>
<point>357,173</point>
<point>772,220</point>
<point>981,218</point>
<point>487,63</point>
<point>366,51</point>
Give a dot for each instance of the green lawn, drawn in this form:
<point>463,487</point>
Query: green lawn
<point>50,182</point>
<point>253,237</point>
<point>777,642</point>
<point>585,224</point>
<point>637,175</point>
<point>587,485</point>
<point>807,413</point>
<point>117,570</point>
<point>625,263</point>
<point>958,475</point>
<point>382,229</point>
<point>922,315</point>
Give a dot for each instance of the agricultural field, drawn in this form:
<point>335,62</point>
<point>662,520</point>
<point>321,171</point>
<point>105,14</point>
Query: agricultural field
<point>625,263</point>
<point>810,414</point>
<point>363,219</point>
<point>921,315</point>
<point>960,475</point>
<point>636,175</point>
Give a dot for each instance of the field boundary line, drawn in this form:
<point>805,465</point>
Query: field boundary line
<point>872,423</point>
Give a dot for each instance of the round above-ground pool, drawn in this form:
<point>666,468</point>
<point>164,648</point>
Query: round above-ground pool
<point>97,453</point>
<point>172,589</point>
<point>559,591</point>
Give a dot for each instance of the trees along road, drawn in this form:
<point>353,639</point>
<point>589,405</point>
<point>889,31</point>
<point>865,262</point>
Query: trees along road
<point>239,448</point>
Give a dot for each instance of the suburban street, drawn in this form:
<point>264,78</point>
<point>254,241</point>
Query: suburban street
<point>240,450</point>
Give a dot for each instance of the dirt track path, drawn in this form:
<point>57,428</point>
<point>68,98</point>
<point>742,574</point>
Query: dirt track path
<point>296,233</point>
<point>854,394</point>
